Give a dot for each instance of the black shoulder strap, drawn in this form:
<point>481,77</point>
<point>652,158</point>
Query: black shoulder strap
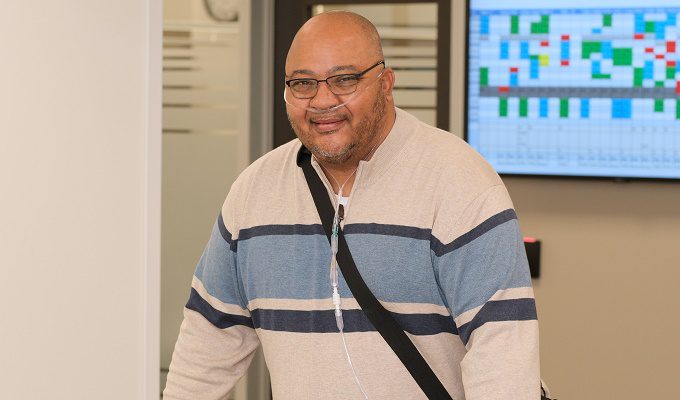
<point>380,318</point>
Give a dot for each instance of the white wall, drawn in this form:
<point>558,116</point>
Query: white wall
<point>80,199</point>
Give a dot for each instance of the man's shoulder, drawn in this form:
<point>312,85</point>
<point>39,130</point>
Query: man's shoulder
<point>432,140</point>
<point>447,153</point>
<point>268,171</point>
<point>274,162</point>
<point>285,153</point>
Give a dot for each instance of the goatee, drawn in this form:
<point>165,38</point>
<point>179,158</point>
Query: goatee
<point>365,134</point>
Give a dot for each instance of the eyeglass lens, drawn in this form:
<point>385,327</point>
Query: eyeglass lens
<point>338,84</point>
<point>342,84</point>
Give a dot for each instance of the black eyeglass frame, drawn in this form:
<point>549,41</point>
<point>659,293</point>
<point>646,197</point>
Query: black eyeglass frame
<point>356,76</point>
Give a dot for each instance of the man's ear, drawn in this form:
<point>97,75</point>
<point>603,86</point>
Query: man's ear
<point>388,80</point>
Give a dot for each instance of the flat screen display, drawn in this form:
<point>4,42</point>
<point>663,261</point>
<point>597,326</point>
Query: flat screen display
<point>575,87</point>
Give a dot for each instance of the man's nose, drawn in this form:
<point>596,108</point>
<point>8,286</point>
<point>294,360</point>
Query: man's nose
<point>324,98</point>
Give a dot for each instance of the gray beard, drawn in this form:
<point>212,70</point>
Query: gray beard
<point>368,128</point>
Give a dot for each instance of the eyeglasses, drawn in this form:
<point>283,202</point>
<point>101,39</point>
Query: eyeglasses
<point>306,88</point>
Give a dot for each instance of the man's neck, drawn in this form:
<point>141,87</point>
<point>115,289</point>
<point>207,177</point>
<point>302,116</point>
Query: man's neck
<point>344,174</point>
<point>340,176</point>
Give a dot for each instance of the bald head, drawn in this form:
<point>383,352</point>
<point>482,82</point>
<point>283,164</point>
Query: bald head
<point>342,28</point>
<point>340,129</point>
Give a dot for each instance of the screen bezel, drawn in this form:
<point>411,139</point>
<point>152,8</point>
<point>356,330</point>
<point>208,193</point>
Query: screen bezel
<point>615,178</point>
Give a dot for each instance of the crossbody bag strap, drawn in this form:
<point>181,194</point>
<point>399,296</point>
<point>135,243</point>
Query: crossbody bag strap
<point>381,319</point>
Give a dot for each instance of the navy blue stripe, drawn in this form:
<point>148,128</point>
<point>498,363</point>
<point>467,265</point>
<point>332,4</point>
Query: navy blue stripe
<point>389,230</point>
<point>323,321</point>
<point>426,324</point>
<point>225,233</point>
<point>268,230</point>
<point>216,317</point>
<point>501,310</point>
<point>317,229</point>
<point>502,217</point>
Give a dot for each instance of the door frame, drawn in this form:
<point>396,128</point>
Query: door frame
<point>290,15</point>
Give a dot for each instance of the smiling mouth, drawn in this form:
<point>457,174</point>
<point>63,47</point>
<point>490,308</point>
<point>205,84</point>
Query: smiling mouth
<point>328,124</point>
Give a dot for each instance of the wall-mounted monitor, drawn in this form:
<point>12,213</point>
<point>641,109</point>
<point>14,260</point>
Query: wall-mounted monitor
<point>585,88</point>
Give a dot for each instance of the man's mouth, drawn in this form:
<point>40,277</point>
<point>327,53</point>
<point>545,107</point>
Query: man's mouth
<point>328,124</point>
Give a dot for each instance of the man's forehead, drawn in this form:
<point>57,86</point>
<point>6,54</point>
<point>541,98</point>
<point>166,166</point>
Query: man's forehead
<point>312,71</point>
<point>325,52</point>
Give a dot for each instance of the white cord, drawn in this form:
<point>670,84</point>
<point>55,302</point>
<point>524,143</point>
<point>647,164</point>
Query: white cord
<point>334,284</point>
<point>338,312</point>
<point>334,268</point>
<point>349,360</point>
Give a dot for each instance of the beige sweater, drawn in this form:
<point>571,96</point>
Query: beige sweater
<point>433,233</point>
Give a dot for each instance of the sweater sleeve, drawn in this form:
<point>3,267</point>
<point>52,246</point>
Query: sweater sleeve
<point>217,340</point>
<point>480,262</point>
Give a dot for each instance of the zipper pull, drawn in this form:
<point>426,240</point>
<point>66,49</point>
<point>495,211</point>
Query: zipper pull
<point>341,213</point>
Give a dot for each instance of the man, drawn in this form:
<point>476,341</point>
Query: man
<point>428,222</point>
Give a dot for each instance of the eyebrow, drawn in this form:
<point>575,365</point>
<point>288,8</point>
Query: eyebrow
<point>335,69</point>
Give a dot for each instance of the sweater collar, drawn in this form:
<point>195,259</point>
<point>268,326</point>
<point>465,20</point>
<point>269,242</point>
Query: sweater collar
<point>386,154</point>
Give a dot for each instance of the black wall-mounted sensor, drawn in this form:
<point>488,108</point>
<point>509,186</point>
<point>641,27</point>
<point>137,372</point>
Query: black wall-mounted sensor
<point>533,249</point>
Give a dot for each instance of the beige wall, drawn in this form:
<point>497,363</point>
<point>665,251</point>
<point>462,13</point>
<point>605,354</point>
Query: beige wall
<point>80,199</point>
<point>609,294</point>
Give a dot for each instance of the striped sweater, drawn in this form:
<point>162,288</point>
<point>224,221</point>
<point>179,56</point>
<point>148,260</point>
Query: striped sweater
<point>433,233</point>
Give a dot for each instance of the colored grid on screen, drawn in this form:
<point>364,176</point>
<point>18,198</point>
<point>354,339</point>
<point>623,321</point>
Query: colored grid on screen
<point>605,78</point>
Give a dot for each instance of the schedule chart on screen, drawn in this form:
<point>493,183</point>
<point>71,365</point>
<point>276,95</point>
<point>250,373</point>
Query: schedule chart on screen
<point>576,88</point>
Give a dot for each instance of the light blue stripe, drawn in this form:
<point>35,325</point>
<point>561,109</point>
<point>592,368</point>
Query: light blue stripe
<point>286,267</point>
<point>216,270</point>
<point>470,275</point>
<point>396,269</point>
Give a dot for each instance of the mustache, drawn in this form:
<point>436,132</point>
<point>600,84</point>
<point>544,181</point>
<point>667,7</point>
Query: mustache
<point>324,118</point>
